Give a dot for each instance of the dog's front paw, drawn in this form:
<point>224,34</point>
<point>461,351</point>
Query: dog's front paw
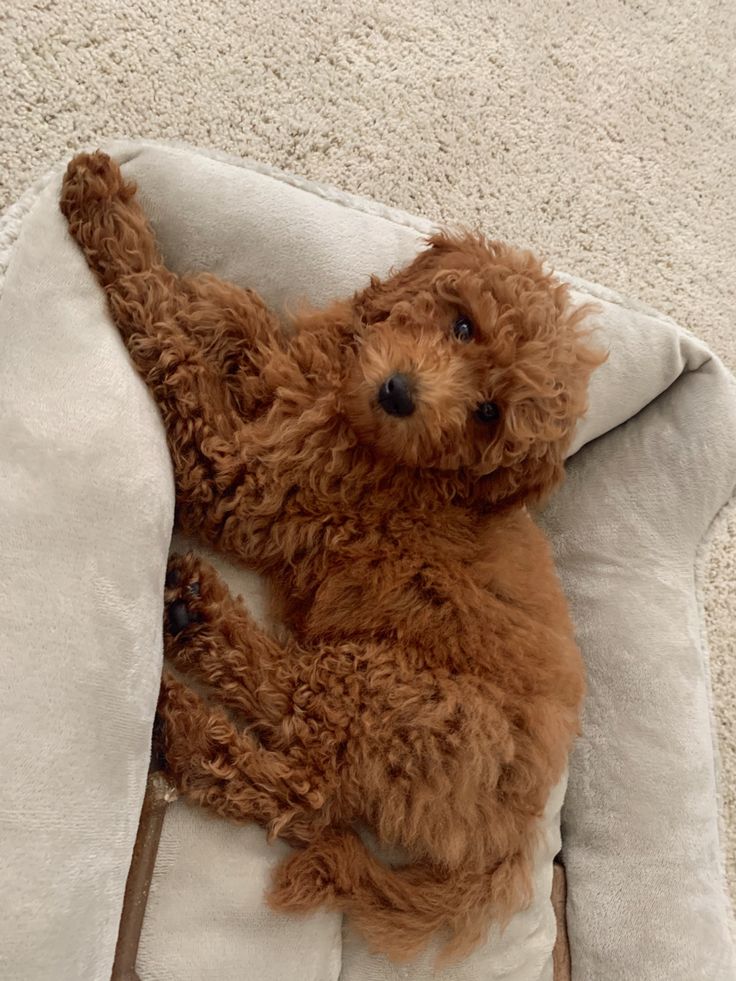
<point>192,597</point>
<point>182,591</point>
<point>91,178</point>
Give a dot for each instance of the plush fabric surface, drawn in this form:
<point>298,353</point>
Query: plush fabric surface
<point>86,515</point>
<point>86,499</point>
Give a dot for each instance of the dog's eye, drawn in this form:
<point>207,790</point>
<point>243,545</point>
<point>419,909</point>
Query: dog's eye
<point>463,329</point>
<point>487,412</point>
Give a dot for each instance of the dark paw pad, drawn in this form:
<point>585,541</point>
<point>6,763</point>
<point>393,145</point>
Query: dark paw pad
<point>179,617</point>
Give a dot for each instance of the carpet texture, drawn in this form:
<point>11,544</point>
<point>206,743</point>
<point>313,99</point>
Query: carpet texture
<point>601,133</point>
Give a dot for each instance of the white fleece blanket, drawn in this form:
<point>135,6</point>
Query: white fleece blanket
<point>86,504</point>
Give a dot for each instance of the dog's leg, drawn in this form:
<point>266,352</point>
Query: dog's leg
<point>231,326</point>
<point>211,637</point>
<point>226,769</point>
<point>200,344</point>
<point>240,336</point>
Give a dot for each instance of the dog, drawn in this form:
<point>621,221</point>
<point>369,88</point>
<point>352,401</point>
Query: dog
<point>377,461</point>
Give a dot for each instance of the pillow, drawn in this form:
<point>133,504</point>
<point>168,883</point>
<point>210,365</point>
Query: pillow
<point>86,504</point>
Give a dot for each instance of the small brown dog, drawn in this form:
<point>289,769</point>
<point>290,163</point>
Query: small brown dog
<point>375,464</point>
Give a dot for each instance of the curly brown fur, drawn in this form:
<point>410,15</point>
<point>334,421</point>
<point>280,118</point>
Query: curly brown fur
<point>430,684</point>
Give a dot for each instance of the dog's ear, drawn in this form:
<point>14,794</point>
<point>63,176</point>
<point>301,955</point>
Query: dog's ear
<point>538,434</point>
<point>528,483</point>
<point>375,302</point>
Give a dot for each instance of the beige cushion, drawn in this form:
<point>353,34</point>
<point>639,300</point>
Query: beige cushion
<point>86,499</point>
<point>86,504</point>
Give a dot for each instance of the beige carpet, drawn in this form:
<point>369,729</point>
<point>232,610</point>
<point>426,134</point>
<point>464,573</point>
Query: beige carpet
<point>602,133</point>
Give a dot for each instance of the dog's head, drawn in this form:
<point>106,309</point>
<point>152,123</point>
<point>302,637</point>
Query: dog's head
<point>470,361</point>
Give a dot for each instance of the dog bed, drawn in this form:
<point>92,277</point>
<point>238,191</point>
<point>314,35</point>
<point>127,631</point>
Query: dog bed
<point>86,509</point>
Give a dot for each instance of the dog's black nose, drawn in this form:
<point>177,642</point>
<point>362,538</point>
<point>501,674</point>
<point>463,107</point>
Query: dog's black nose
<point>394,396</point>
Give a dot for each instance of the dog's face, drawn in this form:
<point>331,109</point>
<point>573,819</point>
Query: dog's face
<point>470,360</point>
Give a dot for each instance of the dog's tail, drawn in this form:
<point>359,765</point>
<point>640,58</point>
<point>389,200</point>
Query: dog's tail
<point>398,910</point>
<point>109,225</point>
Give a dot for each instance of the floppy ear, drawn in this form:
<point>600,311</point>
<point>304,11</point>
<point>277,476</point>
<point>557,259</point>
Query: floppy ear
<point>526,483</point>
<point>545,429</point>
<point>375,302</point>
<point>530,483</point>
